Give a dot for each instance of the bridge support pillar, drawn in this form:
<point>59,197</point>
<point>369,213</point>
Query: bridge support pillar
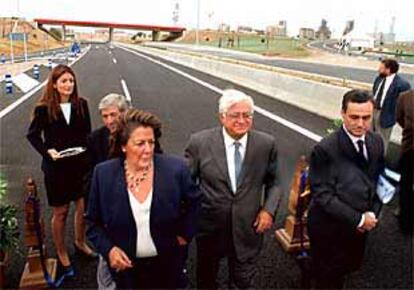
<point>63,33</point>
<point>155,35</point>
<point>111,34</point>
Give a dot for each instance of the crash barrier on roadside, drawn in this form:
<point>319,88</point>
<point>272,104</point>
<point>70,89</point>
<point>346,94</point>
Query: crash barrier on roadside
<point>9,83</point>
<point>36,73</point>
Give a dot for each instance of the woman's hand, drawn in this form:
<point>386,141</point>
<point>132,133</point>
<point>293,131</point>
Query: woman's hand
<point>54,154</point>
<point>119,260</point>
<point>181,241</point>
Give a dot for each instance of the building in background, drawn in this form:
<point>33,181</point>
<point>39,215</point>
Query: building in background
<point>307,33</point>
<point>245,29</point>
<point>223,27</point>
<point>278,30</point>
<point>323,33</point>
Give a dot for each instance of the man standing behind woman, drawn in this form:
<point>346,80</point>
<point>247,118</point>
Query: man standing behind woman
<point>62,117</point>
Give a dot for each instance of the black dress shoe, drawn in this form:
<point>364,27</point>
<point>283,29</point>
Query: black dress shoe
<point>91,255</point>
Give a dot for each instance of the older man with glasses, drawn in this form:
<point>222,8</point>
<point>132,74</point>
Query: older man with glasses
<point>236,168</point>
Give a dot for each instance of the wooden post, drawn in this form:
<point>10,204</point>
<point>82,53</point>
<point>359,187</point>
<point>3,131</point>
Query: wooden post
<point>293,237</point>
<point>33,276</point>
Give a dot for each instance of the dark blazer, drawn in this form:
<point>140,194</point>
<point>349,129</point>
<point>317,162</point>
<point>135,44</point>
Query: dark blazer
<point>173,210</point>
<point>343,187</point>
<point>398,85</point>
<point>58,134</point>
<point>405,118</point>
<point>98,145</point>
<point>223,211</point>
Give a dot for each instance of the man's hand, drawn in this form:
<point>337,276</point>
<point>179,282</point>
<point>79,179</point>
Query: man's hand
<point>263,222</point>
<point>119,260</point>
<point>370,222</point>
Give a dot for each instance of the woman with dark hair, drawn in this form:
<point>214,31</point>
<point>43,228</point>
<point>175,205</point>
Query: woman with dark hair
<point>142,207</point>
<point>62,117</point>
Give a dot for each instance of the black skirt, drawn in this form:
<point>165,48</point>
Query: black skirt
<point>65,179</point>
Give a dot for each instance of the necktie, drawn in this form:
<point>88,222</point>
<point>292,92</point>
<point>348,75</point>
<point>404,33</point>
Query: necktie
<point>237,160</point>
<point>380,92</point>
<point>360,144</point>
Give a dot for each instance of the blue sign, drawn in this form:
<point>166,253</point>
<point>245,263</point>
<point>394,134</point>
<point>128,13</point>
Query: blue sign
<point>17,36</point>
<point>75,48</point>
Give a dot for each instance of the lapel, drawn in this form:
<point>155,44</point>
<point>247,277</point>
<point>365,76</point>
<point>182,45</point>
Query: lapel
<point>376,83</point>
<point>248,160</point>
<point>373,154</point>
<point>391,87</point>
<point>72,114</point>
<point>219,155</point>
<point>124,206</point>
<point>157,189</point>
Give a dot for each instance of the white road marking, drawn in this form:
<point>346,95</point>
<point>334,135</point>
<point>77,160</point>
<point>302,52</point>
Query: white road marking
<point>24,82</point>
<point>114,60</point>
<point>23,98</point>
<point>126,91</point>
<point>280,120</point>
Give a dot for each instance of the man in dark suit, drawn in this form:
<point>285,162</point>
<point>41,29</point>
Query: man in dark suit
<point>236,168</point>
<point>110,107</point>
<point>344,169</point>
<point>405,117</point>
<point>387,87</point>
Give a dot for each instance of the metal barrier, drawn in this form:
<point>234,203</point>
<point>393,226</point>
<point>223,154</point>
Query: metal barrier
<point>9,83</point>
<point>36,73</point>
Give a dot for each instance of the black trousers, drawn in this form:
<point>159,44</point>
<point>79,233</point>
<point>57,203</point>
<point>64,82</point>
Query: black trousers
<point>335,253</point>
<point>160,272</point>
<point>406,191</point>
<point>210,250</point>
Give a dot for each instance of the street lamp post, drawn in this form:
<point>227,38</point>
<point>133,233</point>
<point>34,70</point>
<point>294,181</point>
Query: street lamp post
<point>198,24</point>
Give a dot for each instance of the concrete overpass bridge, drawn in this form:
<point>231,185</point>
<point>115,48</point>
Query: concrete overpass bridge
<point>174,32</point>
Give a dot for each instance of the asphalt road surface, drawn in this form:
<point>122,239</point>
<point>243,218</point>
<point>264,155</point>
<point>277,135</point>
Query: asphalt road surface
<point>186,107</point>
<point>349,73</point>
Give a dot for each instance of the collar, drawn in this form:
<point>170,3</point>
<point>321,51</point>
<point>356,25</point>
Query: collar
<point>390,78</point>
<point>352,137</point>
<point>229,141</point>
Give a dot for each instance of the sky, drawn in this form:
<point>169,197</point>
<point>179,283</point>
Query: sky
<point>255,13</point>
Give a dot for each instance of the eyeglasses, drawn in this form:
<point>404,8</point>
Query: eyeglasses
<point>236,116</point>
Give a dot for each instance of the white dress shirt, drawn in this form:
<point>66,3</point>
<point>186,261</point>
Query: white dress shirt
<point>388,80</point>
<point>66,109</point>
<point>354,140</point>
<point>141,213</point>
<point>229,146</point>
